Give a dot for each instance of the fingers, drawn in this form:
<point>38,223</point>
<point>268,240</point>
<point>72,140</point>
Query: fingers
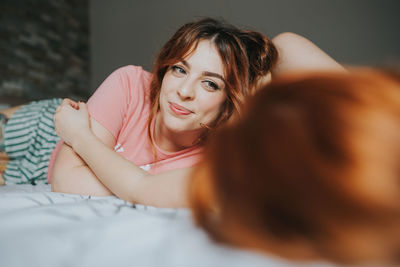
<point>67,106</point>
<point>82,105</point>
<point>69,102</point>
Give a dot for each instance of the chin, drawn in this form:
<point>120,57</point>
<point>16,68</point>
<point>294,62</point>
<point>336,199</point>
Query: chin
<point>176,124</point>
<point>179,125</point>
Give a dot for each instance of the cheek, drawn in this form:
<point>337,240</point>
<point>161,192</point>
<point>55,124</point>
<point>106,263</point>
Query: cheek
<point>167,85</point>
<point>211,105</point>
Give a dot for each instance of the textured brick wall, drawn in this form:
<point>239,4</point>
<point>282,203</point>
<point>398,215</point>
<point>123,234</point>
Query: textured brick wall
<point>44,49</point>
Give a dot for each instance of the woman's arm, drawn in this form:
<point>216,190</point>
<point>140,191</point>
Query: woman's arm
<point>120,176</point>
<point>297,53</point>
<point>72,175</point>
<point>129,182</point>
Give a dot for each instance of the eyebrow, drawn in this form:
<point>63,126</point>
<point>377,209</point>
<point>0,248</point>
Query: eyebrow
<point>206,73</point>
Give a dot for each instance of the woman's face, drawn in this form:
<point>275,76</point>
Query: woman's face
<point>193,90</point>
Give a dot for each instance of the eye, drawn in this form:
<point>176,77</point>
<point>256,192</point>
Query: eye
<point>212,85</point>
<point>178,70</point>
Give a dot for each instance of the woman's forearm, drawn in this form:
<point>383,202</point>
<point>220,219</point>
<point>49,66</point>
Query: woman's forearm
<point>116,172</point>
<point>128,181</point>
<point>71,174</point>
<point>78,180</point>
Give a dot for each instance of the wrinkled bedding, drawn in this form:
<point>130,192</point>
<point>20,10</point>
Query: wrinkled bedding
<point>42,228</point>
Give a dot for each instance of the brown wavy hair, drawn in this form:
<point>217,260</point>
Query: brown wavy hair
<point>311,172</point>
<point>247,56</point>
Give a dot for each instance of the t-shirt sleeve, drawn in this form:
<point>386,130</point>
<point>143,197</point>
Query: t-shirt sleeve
<point>110,102</point>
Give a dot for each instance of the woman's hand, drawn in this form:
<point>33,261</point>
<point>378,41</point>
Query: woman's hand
<point>72,121</point>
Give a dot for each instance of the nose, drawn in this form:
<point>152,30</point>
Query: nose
<point>186,90</point>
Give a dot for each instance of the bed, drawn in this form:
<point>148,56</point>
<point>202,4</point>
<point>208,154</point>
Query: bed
<point>42,228</point>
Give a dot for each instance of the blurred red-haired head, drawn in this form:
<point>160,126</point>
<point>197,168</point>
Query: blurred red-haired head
<point>312,171</point>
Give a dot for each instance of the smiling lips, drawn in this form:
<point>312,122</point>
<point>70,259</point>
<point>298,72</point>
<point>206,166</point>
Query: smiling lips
<point>179,110</point>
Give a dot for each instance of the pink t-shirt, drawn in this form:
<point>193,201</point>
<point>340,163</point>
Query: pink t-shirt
<point>121,104</point>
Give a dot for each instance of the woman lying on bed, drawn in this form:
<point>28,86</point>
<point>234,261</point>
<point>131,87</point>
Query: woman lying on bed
<point>311,172</point>
<point>159,122</point>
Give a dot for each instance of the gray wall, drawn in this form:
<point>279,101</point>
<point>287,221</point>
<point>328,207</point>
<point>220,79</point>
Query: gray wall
<point>352,31</point>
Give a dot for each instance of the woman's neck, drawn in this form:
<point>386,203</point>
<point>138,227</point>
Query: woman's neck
<point>171,141</point>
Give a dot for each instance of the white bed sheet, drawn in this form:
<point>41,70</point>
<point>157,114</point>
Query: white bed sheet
<point>42,228</point>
